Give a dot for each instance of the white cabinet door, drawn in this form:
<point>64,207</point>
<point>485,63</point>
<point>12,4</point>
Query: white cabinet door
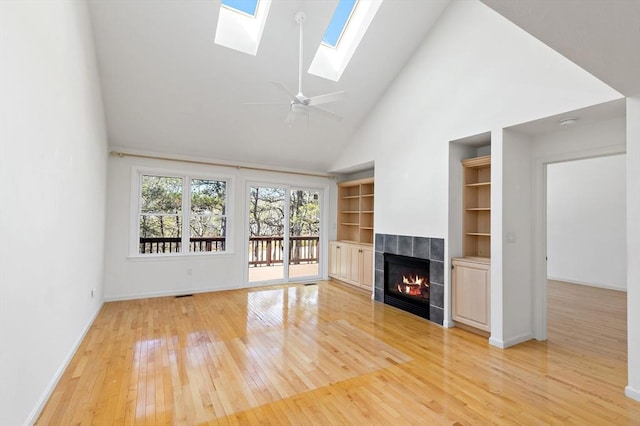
<point>470,293</point>
<point>366,273</point>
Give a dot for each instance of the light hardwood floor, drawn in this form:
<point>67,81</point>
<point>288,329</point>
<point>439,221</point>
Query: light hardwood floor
<point>326,354</point>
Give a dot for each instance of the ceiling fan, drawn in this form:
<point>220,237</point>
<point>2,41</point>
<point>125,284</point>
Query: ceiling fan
<point>300,105</point>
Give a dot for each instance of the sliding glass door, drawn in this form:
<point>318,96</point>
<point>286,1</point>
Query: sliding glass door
<point>284,233</point>
<point>304,233</point>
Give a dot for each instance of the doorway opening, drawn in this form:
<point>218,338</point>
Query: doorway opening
<point>586,255</point>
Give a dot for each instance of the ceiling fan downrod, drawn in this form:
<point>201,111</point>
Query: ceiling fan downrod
<point>301,18</point>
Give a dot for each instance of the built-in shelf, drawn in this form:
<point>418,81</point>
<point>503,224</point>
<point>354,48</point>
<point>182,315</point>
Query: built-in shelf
<point>351,257</point>
<point>349,241</point>
<point>477,207</point>
<point>355,211</point>
<point>471,274</point>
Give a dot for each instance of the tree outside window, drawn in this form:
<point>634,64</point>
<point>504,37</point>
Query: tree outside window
<point>208,222</point>
<point>164,227</point>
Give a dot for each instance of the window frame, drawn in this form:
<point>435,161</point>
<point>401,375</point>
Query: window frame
<point>330,62</point>
<point>187,177</point>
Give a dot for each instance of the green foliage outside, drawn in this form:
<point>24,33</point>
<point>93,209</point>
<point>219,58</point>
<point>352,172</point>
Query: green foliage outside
<point>207,206</point>
<point>161,207</point>
<point>304,213</point>
<point>266,215</point>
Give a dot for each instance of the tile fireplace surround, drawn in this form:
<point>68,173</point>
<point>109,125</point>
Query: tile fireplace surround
<point>422,248</point>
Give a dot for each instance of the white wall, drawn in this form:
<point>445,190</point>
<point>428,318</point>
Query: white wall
<point>516,240</point>
<point>586,222</point>
<point>53,183</point>
<point>475,72</point>
<point>129,277</point>
<point>498,336</point>
<point>633,246</point>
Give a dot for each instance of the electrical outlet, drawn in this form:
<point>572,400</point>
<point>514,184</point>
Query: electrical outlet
<point>189,272</point>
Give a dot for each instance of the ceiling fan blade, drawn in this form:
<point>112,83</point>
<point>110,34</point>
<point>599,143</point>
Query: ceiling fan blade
<point>290,119</point>
<point>325,112</point>
<point>325,99</point>
<point>283,89</point>
<point>266,103</point>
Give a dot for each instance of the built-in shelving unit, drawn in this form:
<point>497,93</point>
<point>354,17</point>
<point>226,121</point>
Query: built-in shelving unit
<point>477,207</point>
<point>471,274</point>
<point>355,211</point>
<point>351,256</point>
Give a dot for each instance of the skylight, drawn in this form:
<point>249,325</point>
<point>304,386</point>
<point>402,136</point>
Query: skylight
<point>338,22</point>
<point>246,6</point>
<point>240,24</point>
<point>352,19</point>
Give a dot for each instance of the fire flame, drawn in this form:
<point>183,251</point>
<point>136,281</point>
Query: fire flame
<point>414,286</point>
<point>418,280</point>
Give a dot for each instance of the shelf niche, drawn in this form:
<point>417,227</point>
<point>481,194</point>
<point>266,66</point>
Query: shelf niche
<point>355,211</point>
<point>477,207</point>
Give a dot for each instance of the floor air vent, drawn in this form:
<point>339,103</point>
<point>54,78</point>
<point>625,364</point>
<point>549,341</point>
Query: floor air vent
<point>183,295</point>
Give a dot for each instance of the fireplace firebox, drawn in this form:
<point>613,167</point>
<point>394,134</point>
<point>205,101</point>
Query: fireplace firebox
<point>406,283</point>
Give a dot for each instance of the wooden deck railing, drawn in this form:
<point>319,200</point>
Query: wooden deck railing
<point>173,245</point>
<point>267,251</point>
<point>263,251</point>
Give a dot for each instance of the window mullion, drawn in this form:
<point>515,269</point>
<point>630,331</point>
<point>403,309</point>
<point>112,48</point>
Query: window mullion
<point>186,213</point>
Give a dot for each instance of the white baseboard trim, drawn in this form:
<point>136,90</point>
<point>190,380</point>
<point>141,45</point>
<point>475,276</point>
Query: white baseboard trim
<point>448,323</point>
<point>608,287</point>
<point>632,393</point>
<point>518,339</point>
<point>166,293</point>
<point>496,342</point>
<point>44,398</point>
<point>503,344</point>
<point>180,292</point>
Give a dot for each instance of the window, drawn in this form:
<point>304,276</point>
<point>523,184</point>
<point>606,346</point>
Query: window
<point>241,24</point>
<point>338,22</point>
<point>245,6</point>
<point>344,33</point>
<point>160,214</point>
<point>208,223</point>
<point>169,222</point>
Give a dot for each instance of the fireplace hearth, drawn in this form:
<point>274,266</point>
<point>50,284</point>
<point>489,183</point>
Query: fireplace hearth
<point>406,283</point>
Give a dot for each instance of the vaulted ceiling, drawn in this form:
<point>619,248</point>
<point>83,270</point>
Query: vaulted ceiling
<point>168,88</point>
<point>602,36</point>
